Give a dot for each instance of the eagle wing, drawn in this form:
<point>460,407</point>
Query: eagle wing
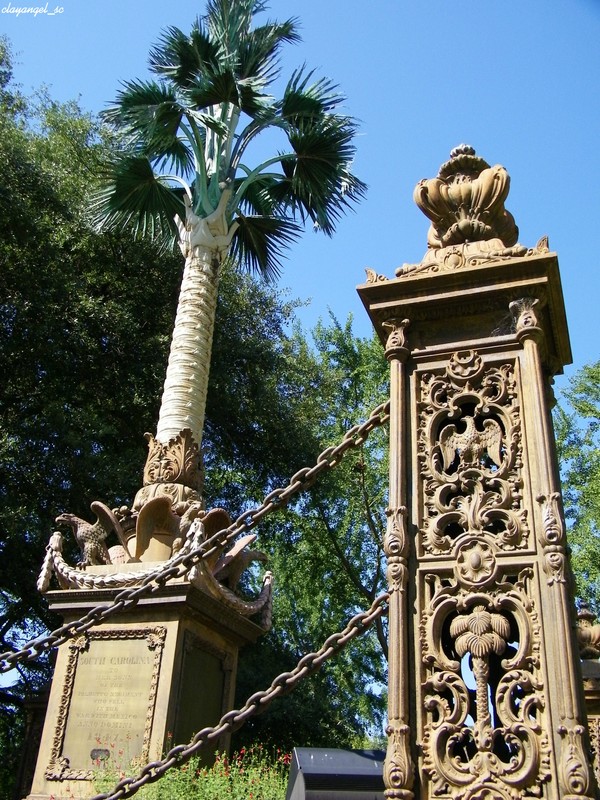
<point>108,522</point>
<point>491,437</point>
<point>450,442</point>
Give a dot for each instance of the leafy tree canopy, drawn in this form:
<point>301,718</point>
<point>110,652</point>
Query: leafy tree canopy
<point>578,434</point>
<point>326,556</point>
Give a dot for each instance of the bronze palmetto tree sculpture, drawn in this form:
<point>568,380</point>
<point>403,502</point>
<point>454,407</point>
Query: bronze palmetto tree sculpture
<point>184,169</point>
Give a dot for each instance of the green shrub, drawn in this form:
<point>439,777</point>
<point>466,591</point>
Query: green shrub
<point>250,774</point>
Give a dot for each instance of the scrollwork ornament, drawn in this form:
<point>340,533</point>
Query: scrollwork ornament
<point>156,638</point>
<point>176,461</point>
<point>470,455</point>
<point>555,565</point>
<point>594,733</point>
<point>526,315</point>
<point>464,365</point>
<point>397,574</point>
<point>79,644</point>
<point>475,563</point>
<point>492,740</point>
<point>553,528</point>
<point>374,277</point>
<point>465,202</point>
<point>492,790</point>
<point>58,769</point>
<point>552,539</point>
<point>395,542</point>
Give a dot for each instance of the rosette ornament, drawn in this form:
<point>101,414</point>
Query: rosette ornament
<point>465,202</point>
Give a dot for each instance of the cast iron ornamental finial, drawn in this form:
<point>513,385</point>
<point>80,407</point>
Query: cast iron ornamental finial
<point>465,202</point>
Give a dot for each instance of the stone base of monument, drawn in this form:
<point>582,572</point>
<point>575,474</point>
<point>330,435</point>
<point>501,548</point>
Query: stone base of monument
<point>128,689</point>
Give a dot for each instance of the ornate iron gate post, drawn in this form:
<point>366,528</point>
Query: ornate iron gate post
<point>485,692</point>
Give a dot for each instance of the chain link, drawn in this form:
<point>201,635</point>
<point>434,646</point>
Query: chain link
<point>178,567</point>
<point>256,704</point>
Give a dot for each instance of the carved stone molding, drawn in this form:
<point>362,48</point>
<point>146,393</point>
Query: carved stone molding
<point>476,563</point>
<point>398,768</point>
<point>574,764</point>
<point>177,461</point>
<point>396,345</point>
<point>395,542</point>
<point>374,277</point>
<point>483,660</point>
<point>594,732</point>
<point>477,254</point>
<point>59,768</point>
<point>525,311</point>
<point>417,312</point>
<point>552,538</point>
<point>469,225</point>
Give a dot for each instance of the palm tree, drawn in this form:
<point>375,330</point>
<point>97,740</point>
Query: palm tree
<point>182,171</point>
<point>481,634</point>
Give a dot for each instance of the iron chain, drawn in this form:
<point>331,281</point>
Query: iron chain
<point>178,567</point>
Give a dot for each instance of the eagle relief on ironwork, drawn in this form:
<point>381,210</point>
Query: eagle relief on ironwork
<point>470,454</point>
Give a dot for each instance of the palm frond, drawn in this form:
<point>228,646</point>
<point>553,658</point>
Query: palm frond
<point>259,49</point>
<point>214,89</point>
<point>259,243</point>
<point>138,98</point>
<point>302,99</point>
<point>173,157</point>
<point>321,185</point>
<point>183,59</point>
<point>224,87</point>
<point>131,195</point>
<point>149,115</point>
<point>227,22</point>
<point>260,196</point>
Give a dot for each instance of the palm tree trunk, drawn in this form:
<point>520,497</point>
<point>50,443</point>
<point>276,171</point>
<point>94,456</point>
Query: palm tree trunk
<point>186,385</point>
<point>483,725</point>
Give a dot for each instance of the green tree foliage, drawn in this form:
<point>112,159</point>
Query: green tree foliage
<point>326,555</point>
<point>578,433</point>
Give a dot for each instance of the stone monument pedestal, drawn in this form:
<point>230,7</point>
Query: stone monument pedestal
<point>129,688</point>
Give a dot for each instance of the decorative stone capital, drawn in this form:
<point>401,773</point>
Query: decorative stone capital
<point>465,202</point>
<point>395,347</point>
<point>177,461</point>
<point>525,312</point>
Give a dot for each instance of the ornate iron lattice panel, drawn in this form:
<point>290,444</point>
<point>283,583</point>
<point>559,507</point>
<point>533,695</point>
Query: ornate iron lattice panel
<point>483,731</point>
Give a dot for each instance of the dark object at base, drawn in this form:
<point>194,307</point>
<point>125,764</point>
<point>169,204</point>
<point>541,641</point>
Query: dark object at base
<point>321,773</point>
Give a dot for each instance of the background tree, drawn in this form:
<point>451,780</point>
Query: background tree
<point>326,556</point>
<point>577,425</point>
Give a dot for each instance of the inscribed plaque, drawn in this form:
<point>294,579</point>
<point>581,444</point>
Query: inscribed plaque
<point>108,698</point>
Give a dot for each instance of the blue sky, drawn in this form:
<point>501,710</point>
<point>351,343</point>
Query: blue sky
<point>517,80</point>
